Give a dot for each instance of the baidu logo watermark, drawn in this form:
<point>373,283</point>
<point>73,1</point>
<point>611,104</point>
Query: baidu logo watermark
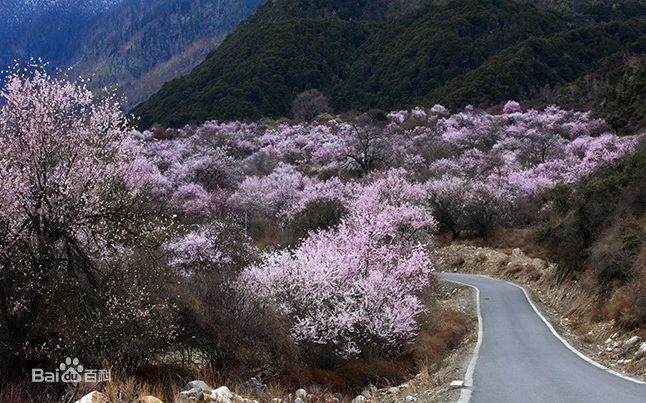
<point>70,371</point>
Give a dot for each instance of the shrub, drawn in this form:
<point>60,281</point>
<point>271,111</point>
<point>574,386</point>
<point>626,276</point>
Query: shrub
<point>628,304</point>
<point>225,328</point>
<point>319,214</point>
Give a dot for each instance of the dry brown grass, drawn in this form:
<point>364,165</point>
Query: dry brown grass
<point>162,381</point>
<point>441,332</point>
<point>506,239</point>
<point>15,393</point>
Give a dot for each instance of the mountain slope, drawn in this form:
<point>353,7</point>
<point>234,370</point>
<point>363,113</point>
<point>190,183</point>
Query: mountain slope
<point>403,63</point>
<point>615,89</point>
<point>47,29</point>
<point>358,63</point>
<point>157,41</point>
<point>523,70</point>
<point>138,44</point>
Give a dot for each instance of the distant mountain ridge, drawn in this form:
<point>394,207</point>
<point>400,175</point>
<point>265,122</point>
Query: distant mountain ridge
<point>454,52</point>
<point>17,12</point>
<point>138,44</point>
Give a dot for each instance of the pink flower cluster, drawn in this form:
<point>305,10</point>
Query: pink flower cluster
<point>399,179</point>
<point>355,286</point>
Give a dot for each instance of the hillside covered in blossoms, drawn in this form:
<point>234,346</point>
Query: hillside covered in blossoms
<point>314,241</point>
<point>344,202</point>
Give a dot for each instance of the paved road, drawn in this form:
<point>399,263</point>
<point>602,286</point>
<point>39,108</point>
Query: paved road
<point>521,361</point>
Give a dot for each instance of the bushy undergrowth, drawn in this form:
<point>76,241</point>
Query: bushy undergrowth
<point>597,231</point>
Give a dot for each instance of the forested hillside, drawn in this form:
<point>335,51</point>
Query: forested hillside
<point>229,83</point>
<point>521,71</point>
<point>137,44</point>
<point>462,52</point>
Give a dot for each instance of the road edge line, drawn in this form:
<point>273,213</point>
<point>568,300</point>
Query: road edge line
<point>566,343</point>
<point>465,393</point>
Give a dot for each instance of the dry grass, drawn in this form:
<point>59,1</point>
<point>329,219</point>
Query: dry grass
<point>15,393</point>
<point>440,333</point>
<point>506,239</point>
<point>162,381</point>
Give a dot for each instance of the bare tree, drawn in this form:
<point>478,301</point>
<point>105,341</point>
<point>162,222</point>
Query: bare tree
<point>309,104</point>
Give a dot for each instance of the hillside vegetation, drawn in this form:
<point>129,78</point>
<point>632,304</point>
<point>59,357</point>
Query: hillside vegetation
<point>598,231</point>
<point>523,70</point>
<point>462,52</point>
<point>137,44</point>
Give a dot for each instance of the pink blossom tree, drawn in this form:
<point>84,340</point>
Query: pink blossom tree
<point>511,107</point>
<point>355,287</point>
<point>213,247</point>
<point>72,225</point>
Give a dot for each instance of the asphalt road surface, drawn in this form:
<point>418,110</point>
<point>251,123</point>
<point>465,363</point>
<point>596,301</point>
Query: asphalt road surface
<point>519,360</point>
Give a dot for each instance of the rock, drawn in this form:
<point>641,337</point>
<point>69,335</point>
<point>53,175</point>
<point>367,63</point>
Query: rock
<point>359,399</point>
<point>221,395</point>
<point>517,253</point>
<point>197,384</point>
<point>150,399</point>
<point>94,397</point>
<point>608,340</point>
<point>372,388</point>
<point>239,399</point>
<point>393,390</point>
<point>298,400</point>
<point>366,394</point>
<point>641,351</point>
<point>411,399</point>
<point>253,385</point>
<point>301,393</point>
<point>276,400</point>
<point>403,386</point>
<point>590,334</point>
<point>191,393</point>
<point>632,342</point>
<point>614,335</point>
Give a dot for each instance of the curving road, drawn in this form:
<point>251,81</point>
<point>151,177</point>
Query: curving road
<point>518,359</point>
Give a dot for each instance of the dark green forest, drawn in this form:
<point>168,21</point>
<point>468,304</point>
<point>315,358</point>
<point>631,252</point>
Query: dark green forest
<point>365,55</point>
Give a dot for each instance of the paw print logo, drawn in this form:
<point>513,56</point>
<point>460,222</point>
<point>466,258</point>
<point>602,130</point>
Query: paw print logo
<point>71,370</point>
